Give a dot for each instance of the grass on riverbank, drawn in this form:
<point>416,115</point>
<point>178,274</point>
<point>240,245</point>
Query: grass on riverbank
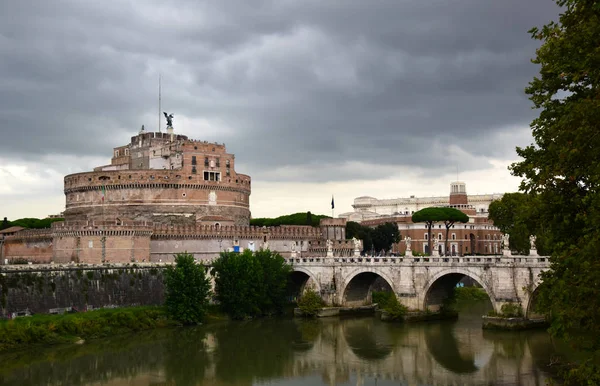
<point>54,329</point>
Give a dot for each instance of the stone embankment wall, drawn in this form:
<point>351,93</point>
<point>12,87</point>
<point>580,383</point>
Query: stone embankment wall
<point>52,288</point>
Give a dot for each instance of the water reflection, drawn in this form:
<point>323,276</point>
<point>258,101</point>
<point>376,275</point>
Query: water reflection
<point>286,352</point>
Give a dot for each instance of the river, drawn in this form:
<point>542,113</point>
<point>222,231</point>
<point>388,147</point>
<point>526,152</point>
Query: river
<point>289,352</point>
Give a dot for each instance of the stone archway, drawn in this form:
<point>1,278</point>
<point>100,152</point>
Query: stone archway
<point>531,311</point>
<point>439,287</point>
<point>298,280</point>
<point>359,285</point>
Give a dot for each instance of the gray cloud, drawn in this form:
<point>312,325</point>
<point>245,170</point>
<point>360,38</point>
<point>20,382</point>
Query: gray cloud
<point>301,85</point>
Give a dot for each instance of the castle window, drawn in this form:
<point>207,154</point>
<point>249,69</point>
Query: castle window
<point>453,236</point>
<point>218,164</point>
<point>195,147</point>
<point>205,161</point>
<point>126,151</point>
<point>193,170</point>
<point>116,153</point>
<point>212,176</point>
<point>426,236</point>
<point>227,172</point>
<point>193,160</point>
<point>227,163</point>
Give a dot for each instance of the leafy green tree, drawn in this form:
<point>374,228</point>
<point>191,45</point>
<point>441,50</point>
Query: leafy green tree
<point>187,290</point>
<point>310,302</point>
<point>309,220</point>
<point>354,229</point>
<point>384,236</point>
<point>251,284</point>
<point>449,216</point>
<point>5,224</point>
<point>516,215</point>
<point>562,168</point>
<point>34,223</point>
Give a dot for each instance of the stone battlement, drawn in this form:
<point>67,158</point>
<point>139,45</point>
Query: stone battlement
<point>242,232</point>
<point>31,234</point>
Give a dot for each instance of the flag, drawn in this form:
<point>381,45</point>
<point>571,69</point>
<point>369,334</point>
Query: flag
<point>332,204</point>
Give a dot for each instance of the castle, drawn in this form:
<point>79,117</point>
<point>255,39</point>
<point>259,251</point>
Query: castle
<point>163,194</point>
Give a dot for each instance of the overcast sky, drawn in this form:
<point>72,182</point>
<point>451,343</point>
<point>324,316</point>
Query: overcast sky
<point>315,98</point>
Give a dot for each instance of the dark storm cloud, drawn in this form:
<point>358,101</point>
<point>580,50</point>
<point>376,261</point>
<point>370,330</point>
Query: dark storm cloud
<point>303,85</point>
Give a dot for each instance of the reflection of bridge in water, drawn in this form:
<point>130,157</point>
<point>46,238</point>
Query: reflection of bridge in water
<point>432,354</point>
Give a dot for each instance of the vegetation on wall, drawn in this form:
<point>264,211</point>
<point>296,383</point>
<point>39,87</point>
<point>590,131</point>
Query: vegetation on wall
<point>301,218</point>
<point>561,171</point>
<point>187,290</point>
<point>388,302</point>
<point>251,284</point>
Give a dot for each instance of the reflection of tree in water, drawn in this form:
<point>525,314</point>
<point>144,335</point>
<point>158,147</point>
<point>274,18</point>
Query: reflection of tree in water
<point>96,361</point>
<point>443,346</point>
<point>186,356</point>
<point>366,339</point>
<point>257,350</point>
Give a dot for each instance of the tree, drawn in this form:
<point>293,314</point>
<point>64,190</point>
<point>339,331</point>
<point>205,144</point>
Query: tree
<point>449,216</point>
<point>384,236</point>
<point>187,290</point>
<point>562,169</point>
<point>5,224</point>
<point>354,229</point>
<point>516,215</point>
<point>251,284</point>
<point>300,218</point>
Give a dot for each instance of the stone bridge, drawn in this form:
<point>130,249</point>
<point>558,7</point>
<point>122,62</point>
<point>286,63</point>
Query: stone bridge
<point>420,283</point>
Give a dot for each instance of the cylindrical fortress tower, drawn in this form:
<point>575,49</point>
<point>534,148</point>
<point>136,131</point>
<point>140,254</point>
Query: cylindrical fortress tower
<point>157,179</point>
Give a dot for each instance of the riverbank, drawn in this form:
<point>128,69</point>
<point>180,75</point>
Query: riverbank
<point>79,327</point>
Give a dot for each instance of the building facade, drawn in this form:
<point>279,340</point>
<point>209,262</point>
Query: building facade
<point>478,236</point>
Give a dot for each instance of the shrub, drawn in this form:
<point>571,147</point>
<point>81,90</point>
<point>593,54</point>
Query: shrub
<point>388,302</point>
<point>187,290</point>
<point>251,284</point>
<point>310,302</point>
<point>511,310</point>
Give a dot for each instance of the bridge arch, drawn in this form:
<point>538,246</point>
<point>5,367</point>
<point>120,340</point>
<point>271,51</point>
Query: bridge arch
<point>299,278</point>
<point>530,309</point>
<point>358,285</point>
<point>440,285</point>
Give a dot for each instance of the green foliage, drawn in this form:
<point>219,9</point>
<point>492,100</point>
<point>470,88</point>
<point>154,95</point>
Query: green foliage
<point>470,294</point>
<point>449,216</point>
<point>310,303</point>
<point>33,223</point>
<point>378,239</point>
<point>562,169</point>
<point>301,218</point>
<point>187,290</point>
<point>511,310</point>
<point>251,284</point>
<point>52,329</point>
<point>517,215</point>
<point>388,302</point>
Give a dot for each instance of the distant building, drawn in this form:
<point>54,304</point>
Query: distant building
<point>479,236</point>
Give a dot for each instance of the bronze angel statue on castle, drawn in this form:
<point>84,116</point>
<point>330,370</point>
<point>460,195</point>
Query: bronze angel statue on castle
<point>169,119</point>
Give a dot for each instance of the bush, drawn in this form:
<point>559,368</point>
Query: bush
<point>251,284</point>
<point>511,310</point>
<point>310,303</point>
<point>388,302</point>
<point>187,290</point>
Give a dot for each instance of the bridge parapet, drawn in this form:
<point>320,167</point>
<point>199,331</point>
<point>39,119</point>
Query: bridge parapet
<point>477,261</point>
